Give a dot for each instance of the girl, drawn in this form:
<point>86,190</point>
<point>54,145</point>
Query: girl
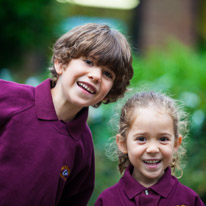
<point>152,128</point>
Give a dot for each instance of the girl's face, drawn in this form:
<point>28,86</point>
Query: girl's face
<point>150,145</point>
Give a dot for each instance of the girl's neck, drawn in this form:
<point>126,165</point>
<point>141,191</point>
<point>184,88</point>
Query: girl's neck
<point>146,182</point>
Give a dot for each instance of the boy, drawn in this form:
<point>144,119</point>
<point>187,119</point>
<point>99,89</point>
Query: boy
<point>46,148</point>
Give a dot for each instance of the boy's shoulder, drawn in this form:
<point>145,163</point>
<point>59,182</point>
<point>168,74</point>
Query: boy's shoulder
<point>16,90</point>
<point>15,87</point>
<point>14,96</point>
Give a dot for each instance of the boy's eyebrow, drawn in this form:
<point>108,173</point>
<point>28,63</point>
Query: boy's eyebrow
<point>90,56</point>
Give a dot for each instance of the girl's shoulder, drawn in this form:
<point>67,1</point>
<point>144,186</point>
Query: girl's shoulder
<point>110,196</point>
<point>111,191</point>
<point>184,192</point>
<point>187,190</point>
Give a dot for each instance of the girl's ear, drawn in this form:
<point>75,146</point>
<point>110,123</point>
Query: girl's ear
<point>121,143</point>
<point>58,67</point>
<point>178,142</point>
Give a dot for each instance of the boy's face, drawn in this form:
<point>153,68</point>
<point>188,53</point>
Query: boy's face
<point>82,83</point>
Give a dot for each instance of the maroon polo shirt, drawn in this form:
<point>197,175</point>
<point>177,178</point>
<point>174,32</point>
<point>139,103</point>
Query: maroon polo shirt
<point>167,192</point>
<point>43,161</point>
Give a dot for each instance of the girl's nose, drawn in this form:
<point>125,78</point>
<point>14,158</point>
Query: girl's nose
<point>95,74</point>
<point>152,148</point>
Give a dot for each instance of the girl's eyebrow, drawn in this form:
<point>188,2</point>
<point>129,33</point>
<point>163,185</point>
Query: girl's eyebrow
<point>166,133</point>
<point>140,133</point>
<point>146,133</point>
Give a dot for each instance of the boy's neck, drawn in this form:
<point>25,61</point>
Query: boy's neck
<point>64,113</point>
<point>64,110</point>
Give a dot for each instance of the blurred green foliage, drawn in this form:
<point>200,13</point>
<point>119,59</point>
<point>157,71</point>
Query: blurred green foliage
<point>181,73</point>
<point>26,26</point>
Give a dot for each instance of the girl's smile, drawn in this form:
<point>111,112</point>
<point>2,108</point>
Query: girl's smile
<point>152,163</point>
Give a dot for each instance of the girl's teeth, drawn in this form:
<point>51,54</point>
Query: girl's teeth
<point>151,161</point>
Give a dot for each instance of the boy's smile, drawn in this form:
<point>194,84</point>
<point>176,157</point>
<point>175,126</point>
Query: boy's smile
<point>89,88</point>
<point>82,83</point>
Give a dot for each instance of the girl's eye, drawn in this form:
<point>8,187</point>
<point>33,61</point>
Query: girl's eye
<point>89,62</point>
<point>108,74</point>
<point>164,139</point>
<point>141,139</point>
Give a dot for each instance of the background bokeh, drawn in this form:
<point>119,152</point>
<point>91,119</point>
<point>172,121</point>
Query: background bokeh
<point>168,40</point>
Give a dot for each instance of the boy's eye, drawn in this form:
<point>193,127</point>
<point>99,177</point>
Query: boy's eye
<point>89,62</point>
<point>108,74</point>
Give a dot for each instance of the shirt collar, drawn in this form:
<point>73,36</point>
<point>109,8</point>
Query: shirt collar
<point>43,100</point>
<point>165,184</point>
<point>133,188</point>
<point>45,110</point>
<point>78,124</point>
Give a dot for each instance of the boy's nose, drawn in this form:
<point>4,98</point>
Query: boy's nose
<point>95,74</point>
<point>152,148</point>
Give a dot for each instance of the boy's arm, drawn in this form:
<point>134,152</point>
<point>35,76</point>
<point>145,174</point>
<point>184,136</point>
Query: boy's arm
<point>80,199</point>
<point>98,202</point>
<point>5,101</point>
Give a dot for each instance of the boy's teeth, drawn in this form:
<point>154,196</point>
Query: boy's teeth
<point>86,87</point>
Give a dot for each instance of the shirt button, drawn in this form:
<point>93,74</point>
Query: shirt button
<point>146,192</point>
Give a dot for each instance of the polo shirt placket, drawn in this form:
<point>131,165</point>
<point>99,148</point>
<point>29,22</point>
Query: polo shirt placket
<point>146,196</point>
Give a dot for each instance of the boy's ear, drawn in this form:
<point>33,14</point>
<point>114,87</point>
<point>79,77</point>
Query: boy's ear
<point>121,143</point>
<point>58,67</point>
<point>178,142</point>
